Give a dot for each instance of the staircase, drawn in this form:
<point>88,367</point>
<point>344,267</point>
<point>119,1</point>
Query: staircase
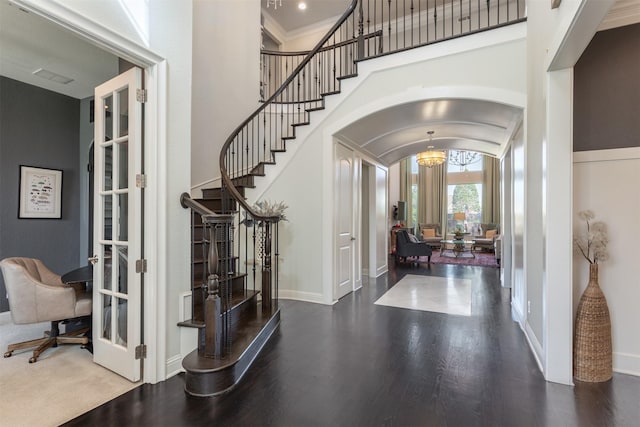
<point>234,244</point>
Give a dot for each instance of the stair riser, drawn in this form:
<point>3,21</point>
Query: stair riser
<point>202,381</point>
<point>216,193</point>
<point>237,286</point>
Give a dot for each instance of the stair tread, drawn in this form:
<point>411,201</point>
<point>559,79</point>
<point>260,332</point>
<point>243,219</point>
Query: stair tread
<point>237,300</point>
<point>248,328</point>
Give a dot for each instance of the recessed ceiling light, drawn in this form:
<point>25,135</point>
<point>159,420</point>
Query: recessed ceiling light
<point>302,5</point>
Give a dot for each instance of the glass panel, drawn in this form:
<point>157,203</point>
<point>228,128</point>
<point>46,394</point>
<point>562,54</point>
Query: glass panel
<point>108,168</point>
<point>123,269</point>
<point>123,164</point>
<point>123,100</point>
<point>123,217</point>
<point>106,317</point>
<point>121,323</point>
<point>107,203</point>
<point>106,267</point>
<point>108,118</point>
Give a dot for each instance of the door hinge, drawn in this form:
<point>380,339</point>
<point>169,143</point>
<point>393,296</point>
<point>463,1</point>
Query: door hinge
<point>141,180</point>
<point>141,351</point>
<point>141,266</point>
<point>141,95</point>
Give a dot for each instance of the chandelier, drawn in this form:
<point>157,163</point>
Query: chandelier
<point>275,3</point>
<point>463,158</point>
<point>430,157</point>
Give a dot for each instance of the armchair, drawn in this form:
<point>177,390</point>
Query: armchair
<point>405,247</point>
<point>487,239</point>
<point>431,234</point>
<point>36,294</point>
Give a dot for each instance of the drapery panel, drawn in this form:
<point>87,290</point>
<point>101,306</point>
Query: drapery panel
<point>432,195</point>
<point>491,190</point>
<point>405,188</point>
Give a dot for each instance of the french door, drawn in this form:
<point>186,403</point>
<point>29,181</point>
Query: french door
<point>117,229</point>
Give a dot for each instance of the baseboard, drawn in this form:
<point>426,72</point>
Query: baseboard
<point>534,344</point>
<point>174,366</point>
<point>626,363</point>
<point>300,296</point>
<point>381,270</point>
<point>5,318</point>
<point>210,183</point>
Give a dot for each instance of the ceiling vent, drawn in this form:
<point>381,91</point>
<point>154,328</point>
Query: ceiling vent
<point>50,75</point>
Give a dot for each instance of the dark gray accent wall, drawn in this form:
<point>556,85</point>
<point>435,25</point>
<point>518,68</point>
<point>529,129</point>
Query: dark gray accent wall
<point>38,128</point>
<point>607,91</point>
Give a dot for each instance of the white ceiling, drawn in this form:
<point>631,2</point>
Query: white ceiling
<point>290,18</point>
<point>29,42</point>
<point>395,133</point>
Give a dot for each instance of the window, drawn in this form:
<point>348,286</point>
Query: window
<point>464,194</point>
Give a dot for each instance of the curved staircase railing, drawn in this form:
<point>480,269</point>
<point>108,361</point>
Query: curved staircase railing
<point>235,255</point>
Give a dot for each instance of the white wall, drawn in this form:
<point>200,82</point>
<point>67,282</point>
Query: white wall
<point>381,221</point>
<point>555,40</point>
<point>167,158</point>
<point>303,176</point>
<point>605,182</point>
<point>226,79</point>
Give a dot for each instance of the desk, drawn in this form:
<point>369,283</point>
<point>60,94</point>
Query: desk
<point>79,275</point>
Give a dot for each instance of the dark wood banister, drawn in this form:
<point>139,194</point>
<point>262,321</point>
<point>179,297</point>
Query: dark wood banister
<point>207,214</point>
<point>327,48</point>
<point>235,194</point>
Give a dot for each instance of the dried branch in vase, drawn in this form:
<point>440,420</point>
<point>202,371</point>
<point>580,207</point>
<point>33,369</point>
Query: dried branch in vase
<point>268,208</point>
<point>592,245</point>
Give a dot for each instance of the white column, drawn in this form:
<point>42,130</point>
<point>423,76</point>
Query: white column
<point>557,172</point>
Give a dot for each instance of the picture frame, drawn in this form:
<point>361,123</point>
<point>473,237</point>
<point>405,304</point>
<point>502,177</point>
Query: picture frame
<point>40,193</point>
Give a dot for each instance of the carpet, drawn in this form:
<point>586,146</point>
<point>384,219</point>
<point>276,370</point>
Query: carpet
<point>430,293</point>
<point>482,259</point>
<point>61,385</point>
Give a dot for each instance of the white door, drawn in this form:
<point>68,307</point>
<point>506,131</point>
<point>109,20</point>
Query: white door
<point>117,225</point>
<point>345,239</point>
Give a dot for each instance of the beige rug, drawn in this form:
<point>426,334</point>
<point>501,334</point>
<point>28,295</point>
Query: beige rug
<point>430,293</point>
<point>61,385</point>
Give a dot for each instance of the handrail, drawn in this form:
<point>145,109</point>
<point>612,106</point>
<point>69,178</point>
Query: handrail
<point>226,179</point>
<point>326,48</point>
<point>207,214</point>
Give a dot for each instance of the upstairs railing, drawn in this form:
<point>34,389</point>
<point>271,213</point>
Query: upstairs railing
<point>295,84</point>
<point>389,26</point>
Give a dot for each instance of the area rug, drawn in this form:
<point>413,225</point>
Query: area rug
<point>482,259</point>
<point>430,293</point>
<point>61,385</point>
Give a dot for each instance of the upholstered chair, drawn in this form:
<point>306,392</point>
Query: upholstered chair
<point>36,294</point>
<point>408,245</point>
<point>431,234</point>
<point>487,239</point>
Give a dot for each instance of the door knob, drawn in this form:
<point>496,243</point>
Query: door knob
<point>353,238</point>
<point>94,259</point>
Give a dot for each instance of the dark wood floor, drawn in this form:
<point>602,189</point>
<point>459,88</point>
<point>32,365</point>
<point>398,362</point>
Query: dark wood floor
<point>359,364</point>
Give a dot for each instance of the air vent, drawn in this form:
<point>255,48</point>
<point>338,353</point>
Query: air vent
<point>50,75</point>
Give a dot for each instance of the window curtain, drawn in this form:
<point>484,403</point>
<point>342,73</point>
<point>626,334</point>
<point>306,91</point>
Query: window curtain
<point>432,195</point>
<point>491,190</point>
<point>405,188</point>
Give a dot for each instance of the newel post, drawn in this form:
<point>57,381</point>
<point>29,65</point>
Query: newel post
<point>266,267</point>
<point>213,304</point>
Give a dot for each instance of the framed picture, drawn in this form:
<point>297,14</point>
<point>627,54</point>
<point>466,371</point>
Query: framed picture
<point>40,193</point>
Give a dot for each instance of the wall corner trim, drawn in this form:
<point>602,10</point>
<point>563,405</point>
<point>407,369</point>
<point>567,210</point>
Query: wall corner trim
<point>606,155</point>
